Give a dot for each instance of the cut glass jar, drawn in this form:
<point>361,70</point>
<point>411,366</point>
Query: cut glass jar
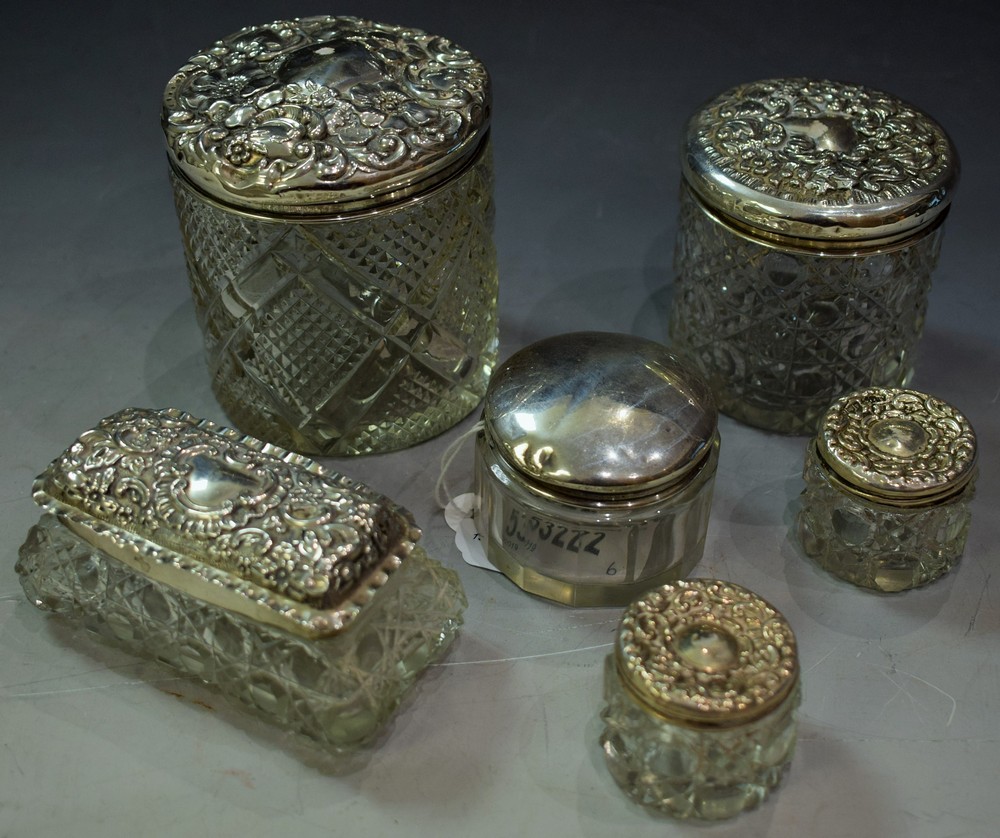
<point>290,589</point>
<point>889,480</point>
<point>701,693</point>
<point>594,468</point>
<point>810,224</point>
<point>333,181</point>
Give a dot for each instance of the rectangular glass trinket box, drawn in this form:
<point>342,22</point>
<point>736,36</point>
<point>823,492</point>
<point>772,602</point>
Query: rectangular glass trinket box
<point>295,591</point>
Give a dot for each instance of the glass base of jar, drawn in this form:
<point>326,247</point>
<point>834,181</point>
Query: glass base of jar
<point>338,691</point>
<point>589,555</point>
<point>707,774</point>
<point>780,334</point>
<point>323,438</point>
<point>358,335</point>
<point>877,546</point>
<point>585,595</point>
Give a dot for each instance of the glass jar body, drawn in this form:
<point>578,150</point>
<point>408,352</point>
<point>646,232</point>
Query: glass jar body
<point>581,553</point>
<point>780,333</point>
<point>338,691</point>
<point>709,773</point>
<point>876,545</point>
<point>353,335</point>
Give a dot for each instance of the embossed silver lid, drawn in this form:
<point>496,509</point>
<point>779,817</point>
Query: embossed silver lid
<point>836,163</point>
<point>325,115</point>
<point>707,652</point>
<point>598,413</point>
<point>899,446</point>
<point>229,519</point>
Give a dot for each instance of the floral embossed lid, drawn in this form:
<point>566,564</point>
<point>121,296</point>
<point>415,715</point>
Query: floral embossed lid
<point>229,519</point>
<point>901,446</point>
<point>820,160</point>
<point>324,115</point>
<point>704,651</point>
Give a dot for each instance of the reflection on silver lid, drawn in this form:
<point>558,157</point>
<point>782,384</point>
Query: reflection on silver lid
<point>597,412</point>
<point>324,114</point>
<point>820,160</point>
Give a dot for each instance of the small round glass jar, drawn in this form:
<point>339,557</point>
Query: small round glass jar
<point>810,224</point>
<point>701,693</point>
<point>889,479</point>
<point>594,468</point>
<point>334,186</point>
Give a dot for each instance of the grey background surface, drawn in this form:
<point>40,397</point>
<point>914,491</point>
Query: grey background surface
<point>899,731</point>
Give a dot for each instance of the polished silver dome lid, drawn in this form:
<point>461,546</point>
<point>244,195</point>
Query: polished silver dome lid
<point>600,413</point>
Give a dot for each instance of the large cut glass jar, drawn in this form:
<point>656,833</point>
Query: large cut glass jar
<point>810,224</point>
<point>701,692</point>
<point>889,479</point>
<point>594,468</point>
<point>333,181</point>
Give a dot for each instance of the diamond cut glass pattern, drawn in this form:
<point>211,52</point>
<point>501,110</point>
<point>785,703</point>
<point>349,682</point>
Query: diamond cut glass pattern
<point>694,773</point>
<point>338,690</point>
<point>780,335</point>
<point>348,336</point>
<point>878,545</point>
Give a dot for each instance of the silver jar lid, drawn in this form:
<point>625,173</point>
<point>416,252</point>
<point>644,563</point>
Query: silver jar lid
<point>898,446</point>
<point>706,652</point>
<point>820,160</point>
<point>597,413</point>
<point>325,115</point>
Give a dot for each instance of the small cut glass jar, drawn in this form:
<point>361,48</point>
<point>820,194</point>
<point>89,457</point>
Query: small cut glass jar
<point>889,479</point>
<point>701,693</point>
<point>810,223</point>
<point>594,468</point>
<point>333,181</point>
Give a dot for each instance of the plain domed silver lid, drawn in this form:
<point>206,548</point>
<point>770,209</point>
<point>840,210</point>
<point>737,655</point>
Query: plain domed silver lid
<point>596,412</point>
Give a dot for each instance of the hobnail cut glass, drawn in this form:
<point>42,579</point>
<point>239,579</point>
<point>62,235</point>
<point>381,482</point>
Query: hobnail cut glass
<point>348,336</point>
<point>694,772</point>
<point>877,545</point>
<point>339,690</point>
<point>780,334</point>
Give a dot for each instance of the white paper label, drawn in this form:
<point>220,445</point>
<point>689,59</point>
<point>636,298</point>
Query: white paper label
<point>458,515</point>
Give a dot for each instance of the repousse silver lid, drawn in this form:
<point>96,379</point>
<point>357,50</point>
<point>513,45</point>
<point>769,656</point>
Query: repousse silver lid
<point>600,413</point>
<point>707,652</point>
<point>324,115</point>
<point>229,519</point>
<point>820,160</point>
<point>900,446</point>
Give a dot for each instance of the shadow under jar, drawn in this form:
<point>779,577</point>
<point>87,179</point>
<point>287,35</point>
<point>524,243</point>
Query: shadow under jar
<point>810,224</point>
<point>595,467</point>
<point>701,693</point>
<point>333,180</point>
<point>889,479</point>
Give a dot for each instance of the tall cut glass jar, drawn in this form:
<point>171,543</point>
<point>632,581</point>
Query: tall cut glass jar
<point>889,482</point>
<point>701,692</point>
<point>333,181</point>
<point>810,225</point>
<point>595,467</point>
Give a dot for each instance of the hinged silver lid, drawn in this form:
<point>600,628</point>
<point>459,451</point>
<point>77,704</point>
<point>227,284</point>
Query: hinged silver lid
<point>820,160</point>
<point>600,413</point>
<point>228,519</point>
<point>325,115</point>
